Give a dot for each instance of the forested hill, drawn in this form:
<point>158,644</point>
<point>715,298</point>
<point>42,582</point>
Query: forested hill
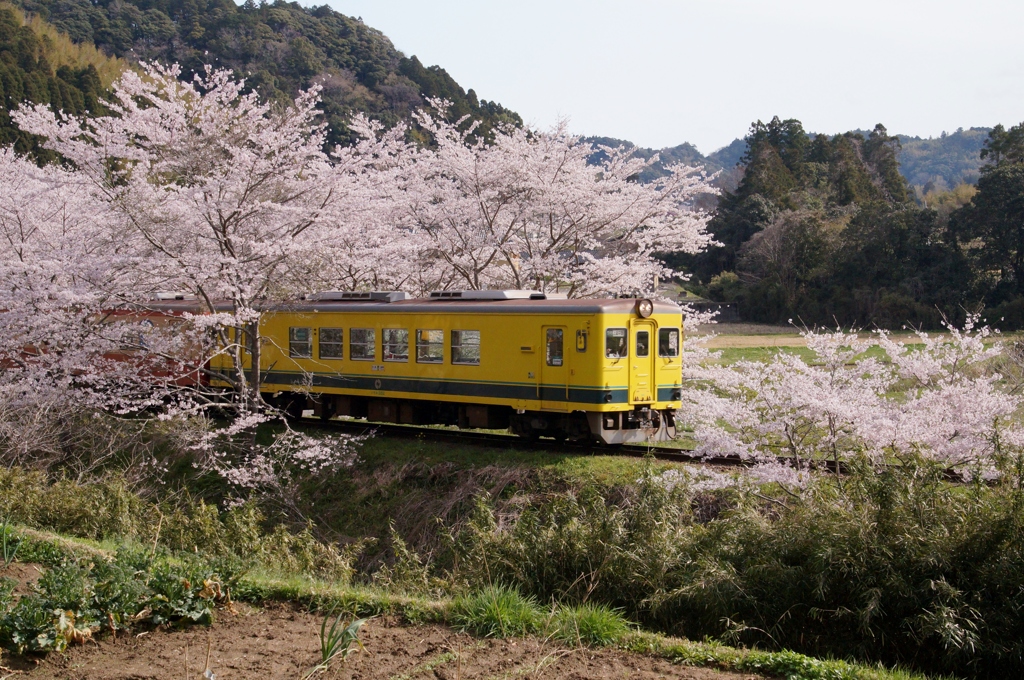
<point>929,164</point>
<point>942,163</point>
<point>279,48</point>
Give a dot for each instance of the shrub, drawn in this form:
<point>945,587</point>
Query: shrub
<point>576,546</point>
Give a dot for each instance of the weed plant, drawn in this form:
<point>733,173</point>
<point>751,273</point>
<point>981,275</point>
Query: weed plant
<point>336,642</point>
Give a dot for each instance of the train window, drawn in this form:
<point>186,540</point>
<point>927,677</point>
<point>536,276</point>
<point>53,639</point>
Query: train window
<point>615,346</point>
<point>553,353</point>
<point>643,343</point>
<point>362,344</point>
<point>668,342</point>
<point>430,347</point>
<point>300,342</point>
<point>396,344</point>
<point>331,343</point>
<point>465,347</point>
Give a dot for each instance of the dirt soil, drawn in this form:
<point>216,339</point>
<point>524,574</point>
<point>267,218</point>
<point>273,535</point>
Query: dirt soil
<point>25,573</point>
<point>280,641</point>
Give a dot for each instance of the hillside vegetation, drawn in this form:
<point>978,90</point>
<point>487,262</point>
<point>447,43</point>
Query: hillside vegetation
<point>44,66</point>
<point>828,230</point>
<point>279,48</point>
<point>944,162</point>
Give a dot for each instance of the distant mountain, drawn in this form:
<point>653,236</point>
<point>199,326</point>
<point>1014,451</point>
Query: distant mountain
<point>684,153</point>
<point>278,47</point>
<point>282,47</point>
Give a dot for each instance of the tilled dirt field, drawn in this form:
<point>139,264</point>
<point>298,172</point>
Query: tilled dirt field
<point>280,641</point>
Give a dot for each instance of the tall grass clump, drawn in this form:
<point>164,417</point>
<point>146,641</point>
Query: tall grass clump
<point>588,624</point>
<point>496,611</point>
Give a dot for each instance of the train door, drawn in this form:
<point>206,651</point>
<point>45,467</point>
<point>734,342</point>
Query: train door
<point>641,362</point>
<point>554,377</point>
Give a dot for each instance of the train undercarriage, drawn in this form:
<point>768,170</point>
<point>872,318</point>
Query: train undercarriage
<point>639,425</point>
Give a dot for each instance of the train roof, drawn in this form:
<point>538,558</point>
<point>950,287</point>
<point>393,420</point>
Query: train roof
<point>434,306</point>
<point>449,306</point>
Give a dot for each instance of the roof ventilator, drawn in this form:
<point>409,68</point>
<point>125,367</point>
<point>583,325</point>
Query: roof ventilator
<point>494,295</point>
<point>359,296</point>
<point>163,296</point>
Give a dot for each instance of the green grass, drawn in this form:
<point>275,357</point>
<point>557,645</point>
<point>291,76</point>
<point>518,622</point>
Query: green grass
<point>412,481</point>
<point>731,355</point>
<point>588,624</point>
<point>497,611</point>
<point>784,664</point>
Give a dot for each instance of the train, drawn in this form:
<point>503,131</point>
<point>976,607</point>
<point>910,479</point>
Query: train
<point>537,364</point>
<point>540,365</point>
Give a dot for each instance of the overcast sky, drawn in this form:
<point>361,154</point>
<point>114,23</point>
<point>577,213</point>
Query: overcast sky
<point>662,72</point>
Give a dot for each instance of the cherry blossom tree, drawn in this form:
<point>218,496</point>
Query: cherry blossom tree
<point>937,399</point>
<point>204,190</point>
<point>531,209</point>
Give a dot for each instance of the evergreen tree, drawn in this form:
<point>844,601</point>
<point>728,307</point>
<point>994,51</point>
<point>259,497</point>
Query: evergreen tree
<point>992,224</point>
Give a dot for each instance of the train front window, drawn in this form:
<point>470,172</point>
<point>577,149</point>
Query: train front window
<point>668,342</point>
<point>396,344</point>
<point>465,347</point>
<point>615,346</point>
<point>643,343</point>
<point>430,347</point>
<point>362,344</point>
<point>331,343</point>
<point>554,347</point>
<point>300,343</point>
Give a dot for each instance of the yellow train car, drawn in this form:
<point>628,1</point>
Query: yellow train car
<point>606,369</point>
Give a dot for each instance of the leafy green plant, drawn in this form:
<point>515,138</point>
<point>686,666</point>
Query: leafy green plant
<point>588,624</point>
<point>121,592</point>
<point>336,642</point>
<point>184,592</point>
<point>31,626</point>
<point>496,611</point>
<point>7,586</point>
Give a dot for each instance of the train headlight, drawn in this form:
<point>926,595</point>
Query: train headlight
<point>644,308</point>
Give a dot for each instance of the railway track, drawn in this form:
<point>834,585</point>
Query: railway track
<point>495,440</point>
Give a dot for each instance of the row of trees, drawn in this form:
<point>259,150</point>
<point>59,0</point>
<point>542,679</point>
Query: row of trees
<point>826,230</point>
<point>202,188</point>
